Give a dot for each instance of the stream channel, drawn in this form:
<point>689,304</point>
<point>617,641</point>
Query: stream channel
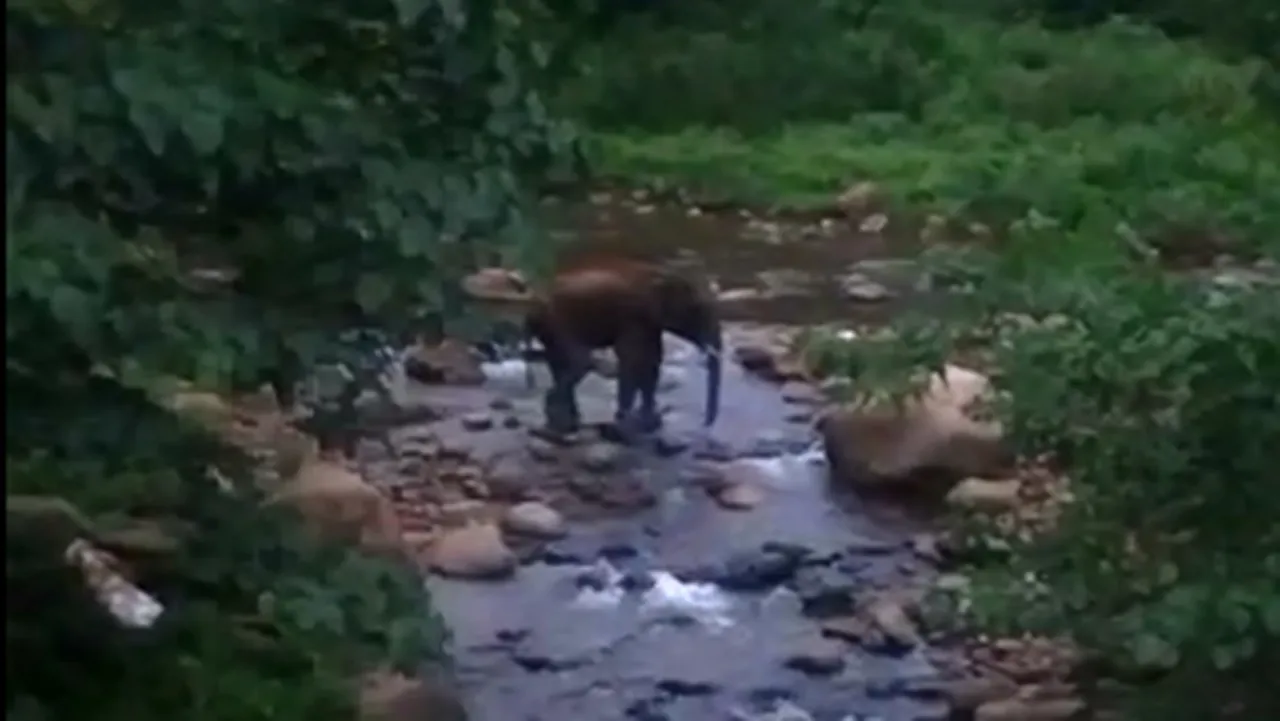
<point>659,604</point>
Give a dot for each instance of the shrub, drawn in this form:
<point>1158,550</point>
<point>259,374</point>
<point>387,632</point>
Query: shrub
<point>212,191</point>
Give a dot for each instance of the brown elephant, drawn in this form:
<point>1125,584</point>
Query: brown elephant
<point>624,304</point>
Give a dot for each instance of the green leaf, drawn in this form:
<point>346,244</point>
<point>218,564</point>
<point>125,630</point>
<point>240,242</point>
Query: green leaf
<point>372,292</point>
<point>1152,651</point>
<point>409,11</point>
<point>203,128</point>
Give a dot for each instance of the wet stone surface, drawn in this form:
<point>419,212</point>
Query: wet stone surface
<point>656,603</point>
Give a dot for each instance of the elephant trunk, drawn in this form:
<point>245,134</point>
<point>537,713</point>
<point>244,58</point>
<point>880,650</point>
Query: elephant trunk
<point>712,351</point>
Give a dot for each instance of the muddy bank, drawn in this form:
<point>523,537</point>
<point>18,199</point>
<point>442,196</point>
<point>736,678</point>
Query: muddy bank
<point>659,602</point>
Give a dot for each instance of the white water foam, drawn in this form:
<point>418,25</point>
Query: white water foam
<point>703,602</point>
<point>504,371</point>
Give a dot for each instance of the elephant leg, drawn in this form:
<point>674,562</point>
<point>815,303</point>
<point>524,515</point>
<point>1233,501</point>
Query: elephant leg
<point>639,365</point>
<point>569,364</point>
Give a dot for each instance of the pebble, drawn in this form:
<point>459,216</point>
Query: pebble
<point>534,519</point>
<point>818,658</point>
<point>756,570</point>
<point>477,422</point>
<point>600,458</point>
<point>739,496</point>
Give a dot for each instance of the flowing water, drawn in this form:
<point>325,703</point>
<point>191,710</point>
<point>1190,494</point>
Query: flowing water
<point>677,609</point>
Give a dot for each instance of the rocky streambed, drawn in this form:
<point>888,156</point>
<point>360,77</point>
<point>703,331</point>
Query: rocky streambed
<point>698,577</point>
<point>718,575</point>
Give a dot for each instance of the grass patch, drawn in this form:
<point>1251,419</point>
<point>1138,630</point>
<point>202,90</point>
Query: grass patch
<point>955,113</point>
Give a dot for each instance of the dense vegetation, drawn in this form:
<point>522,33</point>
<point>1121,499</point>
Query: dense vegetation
<point>1090,142</point>
<point>210,191</point>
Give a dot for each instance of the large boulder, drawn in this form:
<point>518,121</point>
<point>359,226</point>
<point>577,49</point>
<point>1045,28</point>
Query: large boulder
<point>339,504</point>
<point>476,551</point>
<point>387,696</point>
<point>925,444</point>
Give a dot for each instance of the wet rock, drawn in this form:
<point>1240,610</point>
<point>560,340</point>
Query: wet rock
<point>851,629</point>
<point>637,581</point>
<point>925,445</point>
<point>461,513</point>
<point>475,488</point>
<point>754,359</point>
<point>935,229</point>
<point>889,618</point>
<point>874,223</point>
<point>713,450</point>
<point>449,361</point>
<point>542,450</point>
<point>667,445</point>
<point>756,570</point>
<point>536,660</point>
<point>621,493</point>
<point>647,709</point>
<point>818,657</point>
<point>475,422</point>
<point>871,547</point>
<point>686,687</point>
<point>967,694</point>
<point>386,696</point>
<point>597,578</point>
<point>859,198</point>
<point>739,496</point>
<point>800,394</point>
<point>823,590</point>
<point>534,519</point>
<point>558,556</point>
<point>979,494</point>
<point>799,417</point>
<point>472,552</point>
<point>856,286</point>
<point>927,547</point>
<point>338,504</point>
<point>497,284</point>
<point>1030,710</point>
<point>739,295</point>
<point>617,552</point>
<point>511,422</point>
<point>600,458</point>
<point>737,485</point>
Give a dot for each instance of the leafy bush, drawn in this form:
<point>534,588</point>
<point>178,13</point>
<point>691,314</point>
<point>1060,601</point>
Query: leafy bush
<point>212,190</point>
<point>1159,397</point>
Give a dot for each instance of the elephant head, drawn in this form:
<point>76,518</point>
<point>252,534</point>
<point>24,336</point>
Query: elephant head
<point>688,308</point>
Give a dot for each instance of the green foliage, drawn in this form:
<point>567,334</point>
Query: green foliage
<point>945,108</point>
<point>213,190</point>
<point>1099,137</point>
<point>1160,397</point>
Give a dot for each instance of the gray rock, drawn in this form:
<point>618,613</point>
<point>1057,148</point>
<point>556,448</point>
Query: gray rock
<point>757,570</point>
<point>856,286</point>
<point>534,519</point>
<point>600,457</point>
<point>818,657</point>
<point>477,421</point>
